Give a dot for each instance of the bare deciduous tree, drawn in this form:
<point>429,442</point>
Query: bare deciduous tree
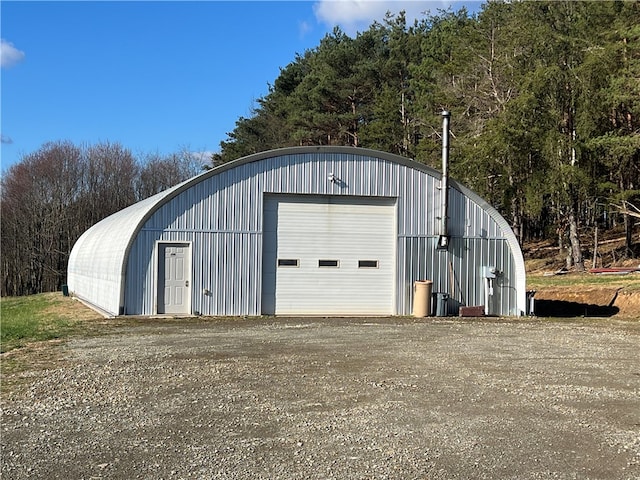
<point>53,195</point>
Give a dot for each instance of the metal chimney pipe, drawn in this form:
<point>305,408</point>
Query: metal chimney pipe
<point>443,241</point>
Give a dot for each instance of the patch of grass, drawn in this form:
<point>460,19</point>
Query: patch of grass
<point>29,319</point>
<point>586,280</point>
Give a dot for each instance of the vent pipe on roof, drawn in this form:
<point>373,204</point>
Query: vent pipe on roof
<point>443,240</point>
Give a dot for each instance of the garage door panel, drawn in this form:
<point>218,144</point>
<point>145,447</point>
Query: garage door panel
<point>344,229</point>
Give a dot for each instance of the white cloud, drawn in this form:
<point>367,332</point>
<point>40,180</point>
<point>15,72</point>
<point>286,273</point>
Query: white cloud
<point>357,15</point>
<point>9,55</point>
<point>6,139</point>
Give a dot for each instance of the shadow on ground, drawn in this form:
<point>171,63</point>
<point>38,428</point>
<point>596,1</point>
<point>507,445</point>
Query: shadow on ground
<point>563,308</point>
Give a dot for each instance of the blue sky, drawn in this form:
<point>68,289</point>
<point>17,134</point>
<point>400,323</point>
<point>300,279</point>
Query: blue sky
<point>157,77</point>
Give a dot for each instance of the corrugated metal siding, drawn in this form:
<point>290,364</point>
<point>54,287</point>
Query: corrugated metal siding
<point>222,265</point>
<point>221,214</point>
<point>95,270</point>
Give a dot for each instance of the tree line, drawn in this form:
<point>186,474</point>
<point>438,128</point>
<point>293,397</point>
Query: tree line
<point>51,196</point>
<point>545,102</point>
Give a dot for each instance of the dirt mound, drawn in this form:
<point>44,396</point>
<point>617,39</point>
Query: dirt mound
<point>629,303</point>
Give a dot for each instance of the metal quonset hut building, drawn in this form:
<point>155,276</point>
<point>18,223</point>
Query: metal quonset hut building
<point>301,231</point>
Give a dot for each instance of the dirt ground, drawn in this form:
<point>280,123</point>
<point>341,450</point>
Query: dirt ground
<point>332,398</point>
<point>588,301</point>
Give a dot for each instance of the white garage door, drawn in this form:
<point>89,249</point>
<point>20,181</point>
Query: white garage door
<point>328,255</point>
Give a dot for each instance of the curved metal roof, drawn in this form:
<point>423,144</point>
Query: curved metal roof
<point>104,248</point>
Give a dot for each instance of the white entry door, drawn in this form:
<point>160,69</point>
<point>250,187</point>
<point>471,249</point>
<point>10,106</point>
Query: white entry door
<point>329,255</point>
<point>174,278</point>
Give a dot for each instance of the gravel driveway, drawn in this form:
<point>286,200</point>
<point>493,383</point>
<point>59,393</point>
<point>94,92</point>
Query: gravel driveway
<point>395,398</point>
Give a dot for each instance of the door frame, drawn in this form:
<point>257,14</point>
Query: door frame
<point>163,244</point>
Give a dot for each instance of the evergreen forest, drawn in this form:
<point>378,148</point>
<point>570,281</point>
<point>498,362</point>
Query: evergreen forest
<point>545,125</point>
<point>544,97</point>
